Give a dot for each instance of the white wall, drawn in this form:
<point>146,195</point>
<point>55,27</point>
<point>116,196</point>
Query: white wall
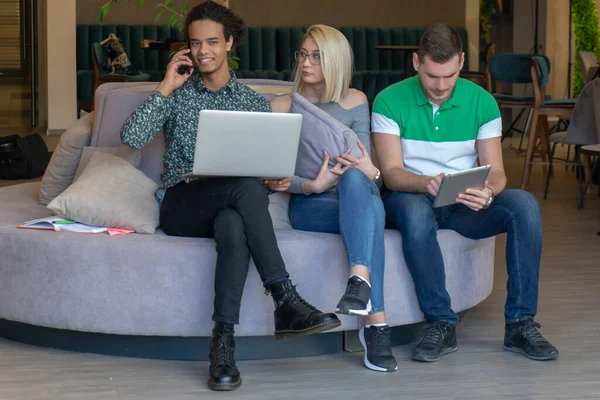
<point>60,65</point>
<point>472,27</point>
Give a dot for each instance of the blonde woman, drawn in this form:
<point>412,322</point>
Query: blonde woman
<point>344,199</point>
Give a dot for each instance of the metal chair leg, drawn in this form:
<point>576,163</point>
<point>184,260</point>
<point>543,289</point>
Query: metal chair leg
<point>512,125</point>
<point>527,125</point>
<point>588,183</point>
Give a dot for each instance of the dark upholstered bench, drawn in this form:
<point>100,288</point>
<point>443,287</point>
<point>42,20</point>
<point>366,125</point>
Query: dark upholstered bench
<point>268,53</point>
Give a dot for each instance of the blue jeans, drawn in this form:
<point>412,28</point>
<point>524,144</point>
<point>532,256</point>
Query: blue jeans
<point>514,212</point>
<point>356,212</point>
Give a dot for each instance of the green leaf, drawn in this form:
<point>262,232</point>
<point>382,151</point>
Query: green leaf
<point>103,11</point>
<point>158,15</point>
<point>232,62</point>
<point>141,3</point>
<point>587,35</point>
<point>184,8</point>
<point>172,19</point>
<point>180,26</point>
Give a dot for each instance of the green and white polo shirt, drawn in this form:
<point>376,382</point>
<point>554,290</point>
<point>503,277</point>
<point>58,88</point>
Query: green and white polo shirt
<point>435,138</point>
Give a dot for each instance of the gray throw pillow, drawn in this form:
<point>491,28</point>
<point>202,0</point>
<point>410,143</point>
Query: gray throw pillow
<point>132,156</point>
<point>279,209</point>
<point>320,132</point>
<point>62,167</point>
<point>110,192</point>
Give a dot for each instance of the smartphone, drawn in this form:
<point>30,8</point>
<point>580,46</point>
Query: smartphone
<point>184,69</point>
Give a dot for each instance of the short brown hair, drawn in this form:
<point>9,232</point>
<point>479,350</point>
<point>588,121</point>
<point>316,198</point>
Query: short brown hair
<point>440,43</point>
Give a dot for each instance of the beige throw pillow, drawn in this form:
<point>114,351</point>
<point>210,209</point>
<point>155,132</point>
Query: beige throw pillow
<point>132,156</point>
<point>110,192</point>
<point>61,170</point>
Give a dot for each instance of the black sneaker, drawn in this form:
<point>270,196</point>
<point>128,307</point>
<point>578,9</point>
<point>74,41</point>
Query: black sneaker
<point>439,340</point>
<point>378,350</point>
<point>523,337</point>
<point>356,299</point>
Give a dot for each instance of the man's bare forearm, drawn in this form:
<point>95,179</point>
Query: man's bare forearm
<point>497,180</point>
<point>401,180</point>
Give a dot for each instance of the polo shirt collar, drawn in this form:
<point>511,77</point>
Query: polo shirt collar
<point>453,101</point>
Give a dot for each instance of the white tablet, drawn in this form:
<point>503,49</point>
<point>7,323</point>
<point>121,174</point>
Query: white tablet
<point>457,182</point>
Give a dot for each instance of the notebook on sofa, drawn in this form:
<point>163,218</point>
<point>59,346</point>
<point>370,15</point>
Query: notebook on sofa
<point>58,224</point>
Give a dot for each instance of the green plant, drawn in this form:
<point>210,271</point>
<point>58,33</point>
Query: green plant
<point>587,35</point>
<point>488,9</point>
<point>176,18</point>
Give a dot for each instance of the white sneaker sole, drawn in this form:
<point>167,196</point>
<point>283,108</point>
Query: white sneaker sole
<point>361,337</point>
<point>363,313</point>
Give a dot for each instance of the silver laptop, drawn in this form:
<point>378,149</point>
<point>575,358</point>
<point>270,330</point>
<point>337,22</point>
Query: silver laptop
<point>243,143</point>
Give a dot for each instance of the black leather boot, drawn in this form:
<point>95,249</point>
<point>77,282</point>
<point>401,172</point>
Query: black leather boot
<point>294,316</point>
<point>224,374</point>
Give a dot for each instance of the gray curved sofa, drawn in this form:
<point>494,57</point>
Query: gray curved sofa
<point>161,286</point>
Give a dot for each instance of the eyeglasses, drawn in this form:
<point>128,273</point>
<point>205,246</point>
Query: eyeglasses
<point>313,58</point>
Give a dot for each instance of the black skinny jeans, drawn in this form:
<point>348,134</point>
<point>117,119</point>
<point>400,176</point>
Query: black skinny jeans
<point>233,211</point>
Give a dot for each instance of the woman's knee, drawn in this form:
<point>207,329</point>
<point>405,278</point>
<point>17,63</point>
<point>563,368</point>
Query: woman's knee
<point>352,177</point>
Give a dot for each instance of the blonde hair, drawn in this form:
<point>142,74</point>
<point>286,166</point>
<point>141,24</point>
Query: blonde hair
<point>336,62</point>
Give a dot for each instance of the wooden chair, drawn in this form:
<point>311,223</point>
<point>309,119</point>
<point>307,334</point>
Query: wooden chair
<point>481,78</point>
<point>562,108</point>
<point>513,69</point>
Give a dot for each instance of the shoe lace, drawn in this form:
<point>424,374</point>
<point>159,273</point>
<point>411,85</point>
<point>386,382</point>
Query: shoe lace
<point>353,289</point>
<point>298,300</point>
<point>530,332</point>
<point>433,336</point>
<point>224,351</point>
<point>382,342</point>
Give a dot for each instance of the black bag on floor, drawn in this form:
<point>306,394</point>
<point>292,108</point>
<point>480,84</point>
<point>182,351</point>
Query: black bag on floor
<point>23,157</point>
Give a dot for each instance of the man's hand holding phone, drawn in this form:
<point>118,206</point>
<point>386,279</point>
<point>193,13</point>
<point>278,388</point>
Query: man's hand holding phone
<point>173,79</point>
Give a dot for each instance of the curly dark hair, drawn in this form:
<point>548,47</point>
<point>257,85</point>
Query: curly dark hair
<point>211,11</point>
<point>440,43</point>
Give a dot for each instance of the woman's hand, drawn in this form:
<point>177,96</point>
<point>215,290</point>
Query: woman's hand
<point>365,164</point>
<point>326,178</point>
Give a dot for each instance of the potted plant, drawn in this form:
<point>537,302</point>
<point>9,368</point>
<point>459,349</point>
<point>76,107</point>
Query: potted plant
<point>587,35</point>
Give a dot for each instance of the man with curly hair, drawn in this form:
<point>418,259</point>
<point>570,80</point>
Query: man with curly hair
<point>232,210</point>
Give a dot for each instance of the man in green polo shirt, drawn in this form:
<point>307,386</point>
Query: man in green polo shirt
<point>437,123</point>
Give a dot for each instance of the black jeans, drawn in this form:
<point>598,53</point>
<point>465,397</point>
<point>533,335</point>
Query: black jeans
<point>235,212</point>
